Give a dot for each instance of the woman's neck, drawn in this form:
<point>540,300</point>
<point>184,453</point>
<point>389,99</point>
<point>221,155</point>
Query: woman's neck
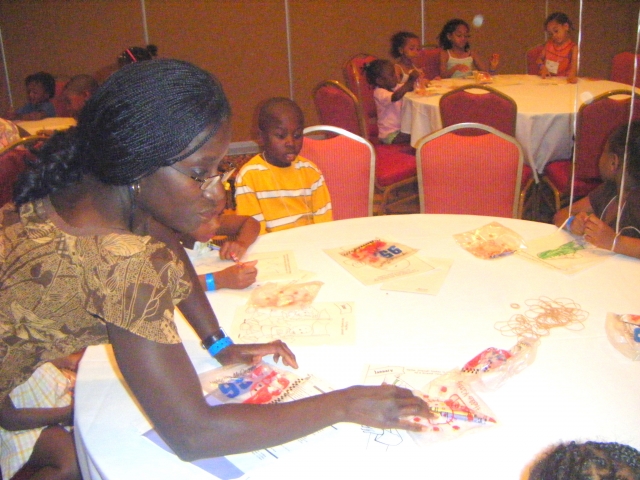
<point>91,203</point>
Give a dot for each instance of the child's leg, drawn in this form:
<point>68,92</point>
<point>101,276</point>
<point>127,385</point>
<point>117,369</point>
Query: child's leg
<point>53,456</point>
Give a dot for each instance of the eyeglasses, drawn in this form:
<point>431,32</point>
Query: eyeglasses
<point>209,183</point>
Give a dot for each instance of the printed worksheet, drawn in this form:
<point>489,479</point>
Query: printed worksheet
<point>329,323</point>
<point>427,283</point>
<point>379,260</point>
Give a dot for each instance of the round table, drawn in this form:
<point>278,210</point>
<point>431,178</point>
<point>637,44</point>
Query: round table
<point>545,111</point>
<point>579,386</point>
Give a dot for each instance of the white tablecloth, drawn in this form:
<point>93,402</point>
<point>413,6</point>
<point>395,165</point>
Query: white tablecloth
<point>579,387</point>
<point>545,111</point>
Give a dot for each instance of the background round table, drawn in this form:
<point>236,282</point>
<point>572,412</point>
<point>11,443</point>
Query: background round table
<point>579,387</point>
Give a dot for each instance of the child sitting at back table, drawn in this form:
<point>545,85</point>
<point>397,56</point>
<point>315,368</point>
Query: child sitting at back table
<point>388,94</point>
<point>405,48</point>
<point>77,91</point>
<point>41,88</point>
<point>559,57</point>
<point>595,216</point>
<point>277,187</point>
<point>457,59</point>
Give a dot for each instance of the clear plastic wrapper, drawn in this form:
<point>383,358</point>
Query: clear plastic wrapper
<point>379,253</point>
<point>623,332</point>
<point>456,408</point>
<point>490,241</point>
<point>290,295</point>
<point>492,367</point>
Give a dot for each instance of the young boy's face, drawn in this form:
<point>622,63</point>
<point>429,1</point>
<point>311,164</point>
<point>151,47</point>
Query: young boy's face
<point>282,139</point>
<point>36,93</point>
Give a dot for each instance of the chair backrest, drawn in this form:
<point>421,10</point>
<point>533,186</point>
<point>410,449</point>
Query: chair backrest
<point>596,120</point>
<point>356,80</point>
<point>488,106</point>
<point>337,105</point>
<point>469,174</point>
<point>622,68</point>
<point>347,162</point>
<point>429,61</point>
<point>531,59</point>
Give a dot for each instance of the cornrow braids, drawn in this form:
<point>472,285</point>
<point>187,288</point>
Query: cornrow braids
<point>142,118</point>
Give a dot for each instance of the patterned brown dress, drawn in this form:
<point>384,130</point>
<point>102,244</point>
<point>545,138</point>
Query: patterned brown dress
<point>60,285</point>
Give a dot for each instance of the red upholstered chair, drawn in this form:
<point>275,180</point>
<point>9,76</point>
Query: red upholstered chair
<point>429,61</point>
<point>347,162</point>
<point>480,104</point>
<point>356,81</point>
<point>337,105</point>
<point>623,67</point>
<point>531,59</point>
<point>476,174</point>
<point>596,120</point>
<point>395,176</point>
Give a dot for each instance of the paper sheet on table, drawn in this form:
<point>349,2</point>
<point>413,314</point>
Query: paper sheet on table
<point>242,465</point>
<point>368,275</point>
<point>428,283</point>
<point>330,323</point>
<point>271,265</point>
<point>564,252</point>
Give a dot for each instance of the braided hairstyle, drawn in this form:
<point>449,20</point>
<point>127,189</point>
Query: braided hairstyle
<point>139,120</point>
<point>588,461</point>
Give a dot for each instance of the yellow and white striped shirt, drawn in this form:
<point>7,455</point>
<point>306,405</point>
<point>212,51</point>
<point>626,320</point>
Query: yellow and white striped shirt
<point>282,197</point>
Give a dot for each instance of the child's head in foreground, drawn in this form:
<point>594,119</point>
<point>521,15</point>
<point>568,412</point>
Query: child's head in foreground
<point>588,461</point>
<point>41,87</point>
<point>280,122</point>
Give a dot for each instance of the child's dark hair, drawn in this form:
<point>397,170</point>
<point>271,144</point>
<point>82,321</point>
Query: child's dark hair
<point>398,40</point>
<point>373,70</point>
<point>617,142</point>
<point>588,461</point>
<point>267,111</point>
<point>560,18</point>
<point>137,54</point>
<point>45,79</point>
<point>448,29</point>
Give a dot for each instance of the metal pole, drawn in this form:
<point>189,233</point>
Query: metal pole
<point>6,70</point>
<point>144,22</point>
<point>289,57</point>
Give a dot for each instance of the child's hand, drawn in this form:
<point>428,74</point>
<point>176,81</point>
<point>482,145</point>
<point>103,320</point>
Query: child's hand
<point>577,226</point>
<point>598,233</point>
<point>544,73</point>
<point>461,68</point>
<point>413,75</point>
<point>232,250</point>
<point>237,276</point>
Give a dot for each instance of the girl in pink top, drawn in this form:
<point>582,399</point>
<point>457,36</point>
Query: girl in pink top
<point>559,56</point>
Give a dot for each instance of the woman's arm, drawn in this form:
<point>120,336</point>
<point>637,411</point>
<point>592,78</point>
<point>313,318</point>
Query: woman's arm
<point>164,382</point>
<point>12,418</point>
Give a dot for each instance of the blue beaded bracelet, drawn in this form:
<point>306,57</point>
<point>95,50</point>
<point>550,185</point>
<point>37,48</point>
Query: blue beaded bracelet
<point>210,282</point>
<point>220,345</point>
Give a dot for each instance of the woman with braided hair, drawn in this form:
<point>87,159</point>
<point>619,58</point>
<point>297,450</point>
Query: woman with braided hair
<point>89,254</point>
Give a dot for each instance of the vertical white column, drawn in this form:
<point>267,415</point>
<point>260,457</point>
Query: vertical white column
<point>289,58</point>
<point>6,70</point>
<point>144,22</point>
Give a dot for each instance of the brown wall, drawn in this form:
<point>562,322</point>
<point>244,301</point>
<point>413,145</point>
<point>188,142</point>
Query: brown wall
<point>244,42</point>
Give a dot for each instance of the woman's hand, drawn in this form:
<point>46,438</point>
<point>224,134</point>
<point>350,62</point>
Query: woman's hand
<point>253,353</point>
<point>386,406</point>
<point>598,233</point>
<point>237,276</point>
